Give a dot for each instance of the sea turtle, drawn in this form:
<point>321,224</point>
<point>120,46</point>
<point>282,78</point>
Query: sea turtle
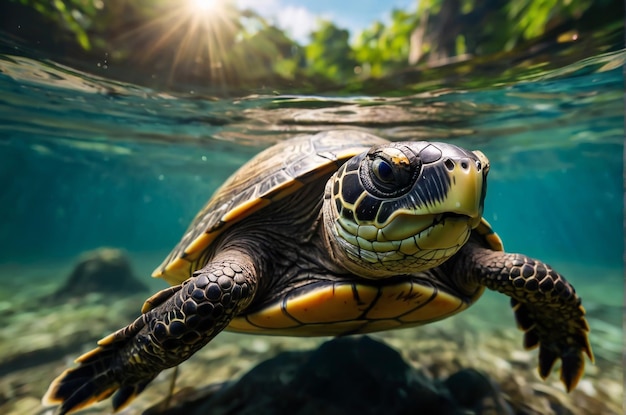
<point>336,233</point>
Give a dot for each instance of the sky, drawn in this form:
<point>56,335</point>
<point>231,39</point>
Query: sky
<point>298,17</point>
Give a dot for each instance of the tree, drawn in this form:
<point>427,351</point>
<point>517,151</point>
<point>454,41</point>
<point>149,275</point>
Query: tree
<point>381,48</point>
<point>329,54</point>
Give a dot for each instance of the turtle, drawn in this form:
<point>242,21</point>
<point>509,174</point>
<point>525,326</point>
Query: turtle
<point>333,234</point>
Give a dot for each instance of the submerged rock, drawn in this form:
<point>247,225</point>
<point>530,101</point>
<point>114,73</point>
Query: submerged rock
<point>103,270</point>
<point>348,375</point>
<point>100,292</point>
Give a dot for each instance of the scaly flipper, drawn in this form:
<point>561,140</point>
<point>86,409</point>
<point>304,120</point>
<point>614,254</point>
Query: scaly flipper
<point>178,321</point>
<point>546,307</point>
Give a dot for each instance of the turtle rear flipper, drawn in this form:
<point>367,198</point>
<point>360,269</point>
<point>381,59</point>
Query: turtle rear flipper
<point>546,307</point>
<point>89,383</point>
<point>95,379</point>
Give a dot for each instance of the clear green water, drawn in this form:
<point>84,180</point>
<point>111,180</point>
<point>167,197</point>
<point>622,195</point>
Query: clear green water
<point>85,162</point>
<point>88,162</point>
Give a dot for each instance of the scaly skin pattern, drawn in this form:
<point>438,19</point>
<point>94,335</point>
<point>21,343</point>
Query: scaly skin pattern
<point>267,256</point>
<point>545,304</point>
<point>179,321</point>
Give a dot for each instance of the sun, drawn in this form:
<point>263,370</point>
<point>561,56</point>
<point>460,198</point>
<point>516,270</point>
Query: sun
<point>199,39</point>
<point>202,6</point>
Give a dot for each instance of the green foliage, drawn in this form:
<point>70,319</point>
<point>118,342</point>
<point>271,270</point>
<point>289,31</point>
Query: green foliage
<point>267,51</point>
<point>381,48</point>
<point>329,54</point>
<point>239,45</point>
<point>530,17</point>
<point>71,15</point>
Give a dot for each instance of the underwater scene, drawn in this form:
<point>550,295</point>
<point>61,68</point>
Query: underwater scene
<point>105,163</point>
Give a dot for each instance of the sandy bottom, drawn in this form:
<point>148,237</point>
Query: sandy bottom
<point>39,340</point>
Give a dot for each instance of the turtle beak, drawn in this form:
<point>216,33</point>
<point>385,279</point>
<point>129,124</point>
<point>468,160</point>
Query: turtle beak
<point>468,186</point>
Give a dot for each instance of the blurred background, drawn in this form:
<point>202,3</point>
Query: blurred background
<point>230,46</point>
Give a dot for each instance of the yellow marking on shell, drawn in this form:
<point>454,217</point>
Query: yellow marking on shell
<point>175,272</point>
<point>240,325</point>
<point>399,299</point>
<point>273,317</point>
<point>243,210</point>
<point>441,306</point>
<point>486,231</point>
<point>178,269</point>
<point>347,153</point>
<point>343,308</point>
<point>331,304</point>
<point>294,185</point>
<point>494,242</point>
<point>197,246</point>
<point>157,273</point>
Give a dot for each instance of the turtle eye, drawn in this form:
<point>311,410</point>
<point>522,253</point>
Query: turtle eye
<point>389,171</point>
<point>383,170</point>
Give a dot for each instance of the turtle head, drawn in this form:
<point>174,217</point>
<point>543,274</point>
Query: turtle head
<point>404,207</point>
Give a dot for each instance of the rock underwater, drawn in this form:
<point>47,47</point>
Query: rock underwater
<point>103,270</point>
<point>346,375</point>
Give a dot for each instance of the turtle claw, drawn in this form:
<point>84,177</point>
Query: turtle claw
<point>557,338</point>
<point>572,366</point>
<point>126,394</point>
<point>531,339</point>
<point>547,358</point>
<point>96,379</point>
<point>572,360</point>
<point>572,369</point>
<point>78,388</point>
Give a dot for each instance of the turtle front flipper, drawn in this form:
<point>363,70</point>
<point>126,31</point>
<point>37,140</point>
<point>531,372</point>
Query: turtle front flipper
<point>546,308</point>
<point>177,323</point>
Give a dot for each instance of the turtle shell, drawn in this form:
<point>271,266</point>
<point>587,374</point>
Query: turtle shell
<point>489,237</point>
<point>268,177</point>
<point>353,306</point>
